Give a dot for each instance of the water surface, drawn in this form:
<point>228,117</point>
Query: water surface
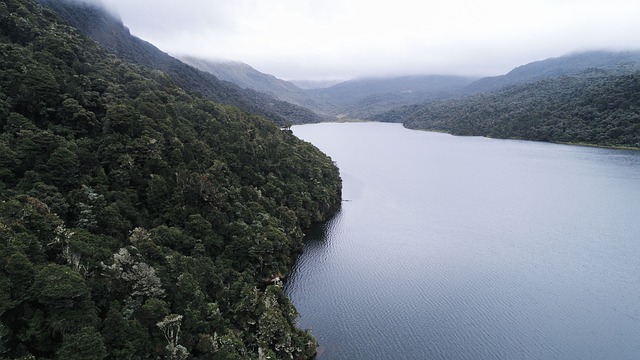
<point>472,248</point>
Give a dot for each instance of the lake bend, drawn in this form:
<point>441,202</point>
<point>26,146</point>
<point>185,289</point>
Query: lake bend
<point>472,248</point>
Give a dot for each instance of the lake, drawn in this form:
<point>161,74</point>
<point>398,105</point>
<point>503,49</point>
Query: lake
<point>472,248</point>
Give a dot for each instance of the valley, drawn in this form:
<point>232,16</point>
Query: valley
<point>157,205</point>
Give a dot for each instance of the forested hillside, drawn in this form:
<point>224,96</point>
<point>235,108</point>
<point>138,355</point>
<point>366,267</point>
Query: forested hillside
<point>352,99</point>
<point>364,98</point>
<point>137,220</point>
<point>597,107</point>
<point>109,31</point>
<point>249,78</point>
<point>569,64</point>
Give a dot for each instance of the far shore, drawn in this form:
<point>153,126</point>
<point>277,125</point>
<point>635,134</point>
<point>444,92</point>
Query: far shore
<point>338,120</point>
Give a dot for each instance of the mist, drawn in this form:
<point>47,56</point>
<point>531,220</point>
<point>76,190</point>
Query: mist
<point>335,39</point>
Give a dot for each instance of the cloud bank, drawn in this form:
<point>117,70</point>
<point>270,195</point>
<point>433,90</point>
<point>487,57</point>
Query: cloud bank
<point>322,39</point>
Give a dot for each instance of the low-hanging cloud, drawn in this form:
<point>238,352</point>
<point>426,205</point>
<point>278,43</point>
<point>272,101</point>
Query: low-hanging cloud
<point>335,38</point>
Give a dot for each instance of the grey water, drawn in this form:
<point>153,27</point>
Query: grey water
<point>472,248</point>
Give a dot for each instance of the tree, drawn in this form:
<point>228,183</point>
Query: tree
<point>93,151</point>
<point>87,344</point>
<point>138,275</point>
<point>63,167</point>
<point>170,326</point>
<point>20,273</point>
<point>65,296</point>
<point>123,119</point>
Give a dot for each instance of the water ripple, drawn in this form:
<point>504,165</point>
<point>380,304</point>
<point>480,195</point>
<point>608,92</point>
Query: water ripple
<point>466,248</point>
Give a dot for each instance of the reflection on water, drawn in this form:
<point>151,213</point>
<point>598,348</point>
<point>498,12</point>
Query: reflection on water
<point>472,248</point>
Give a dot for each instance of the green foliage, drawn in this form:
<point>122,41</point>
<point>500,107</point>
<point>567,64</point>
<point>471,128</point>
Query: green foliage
<point>20,273</point>
<point>56,285</point>
<point>87,344</point>
<point>125,199</point>
<point>114,36</point>
<point>594,107</point>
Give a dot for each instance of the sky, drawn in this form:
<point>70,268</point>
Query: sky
<point>345,39</point>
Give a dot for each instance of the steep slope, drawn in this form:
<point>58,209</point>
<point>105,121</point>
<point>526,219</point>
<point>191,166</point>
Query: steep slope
<point>596,107</point>
<point>138,221</point>
<point>563,65</point>
<point>242,75</point>
<point>247,77</point>
<point>109,31</point>
<point>359,99</point>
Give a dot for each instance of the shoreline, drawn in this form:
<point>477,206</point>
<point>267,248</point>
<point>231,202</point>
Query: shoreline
<point>611,147</point>
<point>319,351</point>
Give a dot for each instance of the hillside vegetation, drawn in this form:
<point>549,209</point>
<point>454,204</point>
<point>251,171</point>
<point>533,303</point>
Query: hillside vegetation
<point>569,64</point>
<point>585,97</point>
<point>599,107</point>
<point>249,78</point>
<point>137,220</point>
<point>352,99</point>
<point>110,32</point>
<point>365,98</point>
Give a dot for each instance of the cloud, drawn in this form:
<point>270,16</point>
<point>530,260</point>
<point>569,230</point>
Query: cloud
<point>159,19</point>
<point>336,38</point>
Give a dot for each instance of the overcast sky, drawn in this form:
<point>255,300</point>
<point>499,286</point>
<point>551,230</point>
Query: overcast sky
<point>342,39</point>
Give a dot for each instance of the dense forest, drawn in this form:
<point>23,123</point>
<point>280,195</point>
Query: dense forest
<point>569,64</point>
<point>139,220</point>
<point>108,30</point>
<point>249,78</point>
<point>367,97</point>
<point>599,107</point>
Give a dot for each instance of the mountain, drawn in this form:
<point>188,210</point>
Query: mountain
<point>588,98</point>
<point>362,98</point>
<point>247,77</point>
<point>314,84</point>
<point>108,30</point>
<point>554,67</point>
<point>596,106</point>
<point>139,220</point>
<point>242,75</point>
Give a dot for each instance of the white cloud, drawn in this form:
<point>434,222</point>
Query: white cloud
<point>334,38</point>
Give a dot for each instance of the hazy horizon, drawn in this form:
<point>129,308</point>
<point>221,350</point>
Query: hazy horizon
<point>340,40</point>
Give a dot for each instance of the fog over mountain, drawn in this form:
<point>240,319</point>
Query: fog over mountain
<point>368,98</point>
<point>335,39</point>
<point>562,65</point>
<point>368,93</point>
<point>109,30</point>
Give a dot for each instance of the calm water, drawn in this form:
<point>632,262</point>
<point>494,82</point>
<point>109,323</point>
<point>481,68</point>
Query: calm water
<point>472,248</point>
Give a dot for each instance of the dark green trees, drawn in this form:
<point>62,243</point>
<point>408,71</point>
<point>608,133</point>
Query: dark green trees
<point>126,201</point>
<point>87,344</point>
<point>595,107</point>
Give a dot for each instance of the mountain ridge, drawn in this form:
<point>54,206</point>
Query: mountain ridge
<point>247,77</point>
<point>367,98</point>
<point>107,29</point>
<point>362,98</point>
<point>567,64</point>
<point>139,220</point>
<point>597,107</point>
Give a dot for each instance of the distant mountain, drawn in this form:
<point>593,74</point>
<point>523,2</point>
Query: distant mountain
<point>362,98</point>
<point>109,31</point>
<point>247,77</point>
<point>241,74</point>
<point>596,106</point>
<point>314,84</point>
<point>359,98</point>
<point>360,88</point>
<point>564,65</point>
